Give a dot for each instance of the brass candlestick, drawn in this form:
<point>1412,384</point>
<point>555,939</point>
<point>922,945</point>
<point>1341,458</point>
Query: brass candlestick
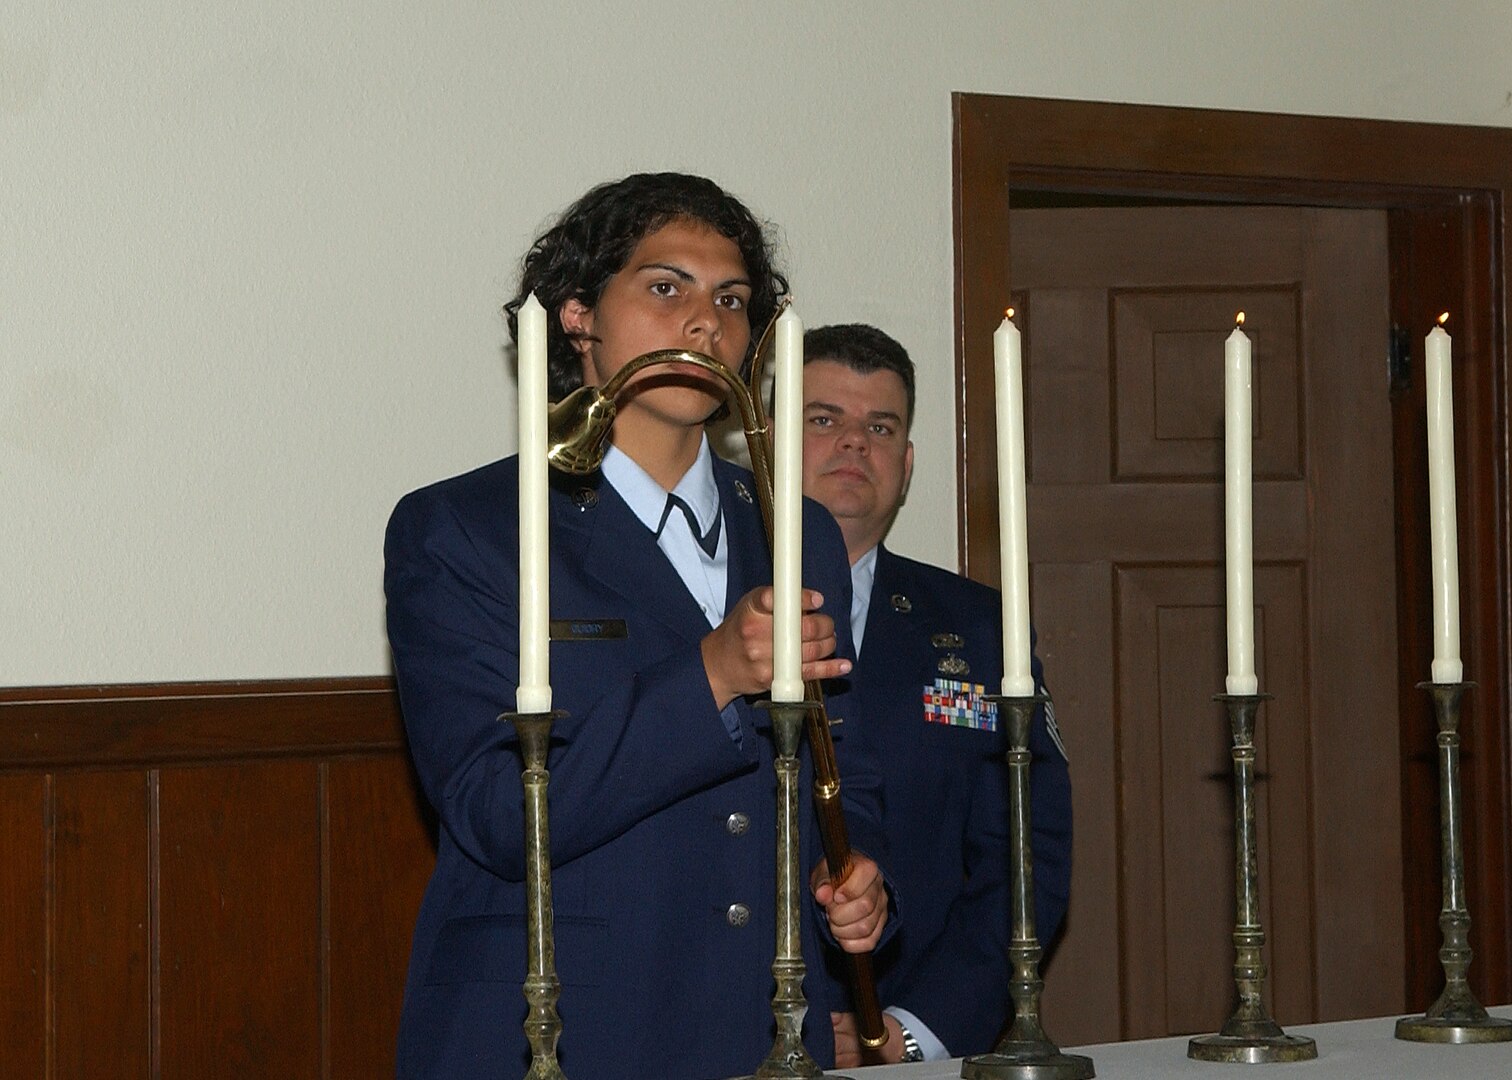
<point>788,1058</point>
<point>543,1025</point>
<point>1456,1017</point>
<point>1025,1052</point>
<point>1250,1036</point>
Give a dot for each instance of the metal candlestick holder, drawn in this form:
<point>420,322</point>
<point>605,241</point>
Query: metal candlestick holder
<point>1250,1036</point>
<point>1024,1052</point>
<point>543,1025</point>
<point>1456,1017</point>
<point>788,1057</point>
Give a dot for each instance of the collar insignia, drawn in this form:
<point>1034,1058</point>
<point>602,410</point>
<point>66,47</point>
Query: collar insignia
<point>585,498</point>
<point>742,491</point>
<point>901,603</point>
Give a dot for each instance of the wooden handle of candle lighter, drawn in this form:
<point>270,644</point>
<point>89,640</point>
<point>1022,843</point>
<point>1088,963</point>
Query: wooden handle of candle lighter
<point>837,854</point>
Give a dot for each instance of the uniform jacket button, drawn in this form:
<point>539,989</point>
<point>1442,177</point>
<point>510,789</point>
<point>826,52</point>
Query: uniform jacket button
<point>737,823</point>
<point>738,915</point>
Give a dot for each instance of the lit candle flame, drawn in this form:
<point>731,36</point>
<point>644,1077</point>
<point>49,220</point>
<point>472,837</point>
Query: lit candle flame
<point>1239,319</point>
<point>1008,313</point>
<point>1444,318</point>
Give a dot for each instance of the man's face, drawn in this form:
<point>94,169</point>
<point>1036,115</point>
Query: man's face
<point>684,286</point>
<point>857,458</point>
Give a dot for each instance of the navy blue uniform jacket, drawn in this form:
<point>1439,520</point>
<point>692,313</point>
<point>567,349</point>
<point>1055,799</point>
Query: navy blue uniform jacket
<point>648,860</point>
<point>946,804</point>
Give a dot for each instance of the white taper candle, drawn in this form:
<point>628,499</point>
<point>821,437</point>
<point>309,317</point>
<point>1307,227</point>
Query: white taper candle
<point>787,511</point>
<point>534,694</point>
<point>1013,529</point>
<point>1442,524</point>
<point>1239,557</point>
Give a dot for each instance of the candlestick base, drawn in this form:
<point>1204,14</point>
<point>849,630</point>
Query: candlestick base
<point>1027,1061</point>
<point>1456,1017</point>
<point>1448,1029</point>
<point>1252,1050</point>
<point>1250,1036</point>
<point>543,1024</point>
<point>1025,1052</point>
<point>788,1059</point>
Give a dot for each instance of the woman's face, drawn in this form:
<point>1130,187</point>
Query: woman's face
<point>685,286</point>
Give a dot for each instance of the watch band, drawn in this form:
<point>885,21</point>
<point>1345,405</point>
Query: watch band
<point>911,1049</point>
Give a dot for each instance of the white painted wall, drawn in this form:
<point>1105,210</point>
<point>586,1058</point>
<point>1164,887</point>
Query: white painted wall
<point>252,255</point>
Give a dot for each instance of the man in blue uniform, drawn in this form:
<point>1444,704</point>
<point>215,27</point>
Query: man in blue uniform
<point>929,646</point>
<point>662,786</point>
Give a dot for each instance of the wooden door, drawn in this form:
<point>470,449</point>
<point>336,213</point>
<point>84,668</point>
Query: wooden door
<point>1124,313</point>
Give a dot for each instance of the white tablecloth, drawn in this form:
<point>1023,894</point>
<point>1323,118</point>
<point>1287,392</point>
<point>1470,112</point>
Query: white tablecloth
<point>1348,1050</point>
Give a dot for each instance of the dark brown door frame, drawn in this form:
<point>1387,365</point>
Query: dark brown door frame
<point>1446,190</point>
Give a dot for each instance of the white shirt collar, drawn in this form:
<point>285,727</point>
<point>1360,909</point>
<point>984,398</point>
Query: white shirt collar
<point>648,500</point>
<point>706,576</point>
<point>863,574</point>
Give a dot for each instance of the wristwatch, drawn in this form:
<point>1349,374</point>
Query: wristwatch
<point>911,1048</point>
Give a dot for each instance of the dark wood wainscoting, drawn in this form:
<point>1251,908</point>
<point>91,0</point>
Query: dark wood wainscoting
<point>206,880</point>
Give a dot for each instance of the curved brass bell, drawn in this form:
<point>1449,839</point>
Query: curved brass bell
<point>578,427</point>
<point>577,430</point>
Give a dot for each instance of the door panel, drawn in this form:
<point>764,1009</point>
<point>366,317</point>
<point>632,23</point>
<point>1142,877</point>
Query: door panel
<point>1125,312</point>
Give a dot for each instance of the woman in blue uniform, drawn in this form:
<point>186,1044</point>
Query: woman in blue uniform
<point>662,788</point>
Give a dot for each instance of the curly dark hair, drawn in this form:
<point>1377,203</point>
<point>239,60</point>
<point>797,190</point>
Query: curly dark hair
<point>864,349</point>
<point>594,238</point>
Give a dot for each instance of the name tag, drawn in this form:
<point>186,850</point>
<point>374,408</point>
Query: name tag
<point>587,629</point>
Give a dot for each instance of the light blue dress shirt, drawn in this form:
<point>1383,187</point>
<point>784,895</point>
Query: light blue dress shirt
<point>863,573</point>
<point>705,576</point>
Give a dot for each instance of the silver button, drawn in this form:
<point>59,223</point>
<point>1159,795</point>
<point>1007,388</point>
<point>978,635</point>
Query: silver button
<point>737,823</point>
<point>738,915</point>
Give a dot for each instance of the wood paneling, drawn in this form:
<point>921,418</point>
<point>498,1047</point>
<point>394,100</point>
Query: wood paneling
<point>114,726</point>
<point>206,880</point>
<point>371,902</point>
<point>1075,619</point>
<point>25,954</point>
<point>1165,342</point>
<point>1176,885</point>
<point>239,877</point>
<point>104,932</point>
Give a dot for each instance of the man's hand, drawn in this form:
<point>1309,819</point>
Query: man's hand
<point>737,654</point>
<point>847,1040</point>
<point>849,1053</point>
<point>857,909</point>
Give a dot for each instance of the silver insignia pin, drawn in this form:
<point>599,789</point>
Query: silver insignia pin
<point>953,665</point>
<point>901,603</point>
<point>585,498</point>
<point>947,641</point>
<point>742,491</point>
